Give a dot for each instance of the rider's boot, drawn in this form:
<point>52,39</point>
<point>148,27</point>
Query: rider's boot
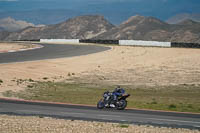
<point>112,105</point>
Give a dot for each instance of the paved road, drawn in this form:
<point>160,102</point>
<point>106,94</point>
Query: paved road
<point>166,119</point>
<point>50,51</point>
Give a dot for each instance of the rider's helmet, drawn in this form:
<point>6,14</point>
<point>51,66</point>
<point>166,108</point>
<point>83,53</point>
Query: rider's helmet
<point>119,89</point>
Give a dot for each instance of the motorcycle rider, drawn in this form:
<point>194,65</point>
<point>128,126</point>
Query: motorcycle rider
<point>112,99</point>
<point>118,92</point>
<point>115,94</point>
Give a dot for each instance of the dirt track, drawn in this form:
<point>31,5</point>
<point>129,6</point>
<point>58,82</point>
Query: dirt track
<point>146,66</point>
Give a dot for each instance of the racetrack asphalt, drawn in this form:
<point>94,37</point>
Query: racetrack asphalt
<point>89,113</point>
<point>50,51</point>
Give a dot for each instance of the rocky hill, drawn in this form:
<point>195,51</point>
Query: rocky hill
<point>149,28</point>
<point>136,27</point>
<point>1,29</point>
<point>82,27</point>
<point>3,35</point>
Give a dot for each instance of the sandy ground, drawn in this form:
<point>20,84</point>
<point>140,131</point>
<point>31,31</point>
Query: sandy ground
<point>122,65</point>
<point>19,124</point>
<point>4,47</point>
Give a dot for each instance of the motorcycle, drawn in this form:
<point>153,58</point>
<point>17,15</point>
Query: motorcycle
<point>108,102</point>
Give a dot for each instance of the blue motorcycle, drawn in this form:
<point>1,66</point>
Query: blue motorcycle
<point>108,101</point>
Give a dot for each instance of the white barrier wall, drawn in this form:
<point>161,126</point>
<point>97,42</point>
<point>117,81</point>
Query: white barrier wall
<point>59,40</point>
<point>144,43</point>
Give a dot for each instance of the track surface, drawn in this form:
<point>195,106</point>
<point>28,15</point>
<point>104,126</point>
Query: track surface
<point>64,111</point>
<point>50,51</point>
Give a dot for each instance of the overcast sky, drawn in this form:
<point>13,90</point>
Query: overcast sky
<point>162,9</point>
<point>7,5</point>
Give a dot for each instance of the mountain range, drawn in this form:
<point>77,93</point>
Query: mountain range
<point>150,28</point>
<point>11,25</point>
<point>97,27</point>
<point>82,27</point>
<point>37,16</point>
<point>183,16</point>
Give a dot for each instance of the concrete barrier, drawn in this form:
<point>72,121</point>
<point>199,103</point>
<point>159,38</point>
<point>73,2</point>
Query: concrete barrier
<point>144,43</point>
<point>59,40</point>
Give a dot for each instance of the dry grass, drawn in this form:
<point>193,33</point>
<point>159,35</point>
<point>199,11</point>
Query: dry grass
<point>183,98</point>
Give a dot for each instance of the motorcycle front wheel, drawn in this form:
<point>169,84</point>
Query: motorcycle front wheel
<point>100,104</point>
<point>121,105</point>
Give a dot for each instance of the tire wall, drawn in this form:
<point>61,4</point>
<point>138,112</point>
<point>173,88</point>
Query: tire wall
<point>185,45</point>
<point>100,41</point>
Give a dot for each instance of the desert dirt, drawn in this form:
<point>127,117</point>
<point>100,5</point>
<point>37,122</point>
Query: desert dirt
<point>5,47</point>
<point>21,124</point>
<point>122,65</point>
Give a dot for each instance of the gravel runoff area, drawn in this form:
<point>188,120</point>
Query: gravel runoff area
<point>30,124</point>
